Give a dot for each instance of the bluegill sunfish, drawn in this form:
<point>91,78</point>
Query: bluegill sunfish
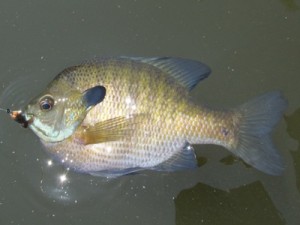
<point>115,116</point>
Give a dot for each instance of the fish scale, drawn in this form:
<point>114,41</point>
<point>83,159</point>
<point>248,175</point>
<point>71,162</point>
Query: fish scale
<point>115,116</point>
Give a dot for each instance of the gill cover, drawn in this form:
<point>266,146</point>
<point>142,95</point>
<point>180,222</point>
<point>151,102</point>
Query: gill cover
<point>53,123</point>
<point>94,95</point>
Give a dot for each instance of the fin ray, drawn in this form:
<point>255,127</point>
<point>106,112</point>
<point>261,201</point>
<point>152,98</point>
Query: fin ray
<point>184,159</point>
<point>255,146</point>
<point>109,130</point>
<point>111,174</point>
<point>187,72</point>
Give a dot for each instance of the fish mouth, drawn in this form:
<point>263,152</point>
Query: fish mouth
<point>20,118</point>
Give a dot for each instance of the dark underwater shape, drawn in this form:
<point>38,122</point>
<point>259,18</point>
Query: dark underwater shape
<point>203,204</point>
<point>293,129</point>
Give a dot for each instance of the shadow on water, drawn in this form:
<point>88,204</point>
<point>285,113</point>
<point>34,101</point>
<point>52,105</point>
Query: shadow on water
<point>293,129</point>
<point>204,204</point>
<point>290,5</point>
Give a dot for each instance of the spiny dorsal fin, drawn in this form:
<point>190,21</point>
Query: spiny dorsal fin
<point>187,72</point>
<point>109,130</point>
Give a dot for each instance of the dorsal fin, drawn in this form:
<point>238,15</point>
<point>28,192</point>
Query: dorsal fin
<point>187,72</point>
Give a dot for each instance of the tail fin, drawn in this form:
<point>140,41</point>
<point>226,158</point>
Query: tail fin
<point>255,146</point>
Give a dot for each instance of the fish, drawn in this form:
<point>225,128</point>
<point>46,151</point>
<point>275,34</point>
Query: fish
<point>120,115</point>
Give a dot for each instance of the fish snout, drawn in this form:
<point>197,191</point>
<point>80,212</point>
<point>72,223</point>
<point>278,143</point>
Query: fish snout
<point>20,117</point>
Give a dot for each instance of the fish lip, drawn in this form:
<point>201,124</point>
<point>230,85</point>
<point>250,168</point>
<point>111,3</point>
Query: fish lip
<point>24,119</point>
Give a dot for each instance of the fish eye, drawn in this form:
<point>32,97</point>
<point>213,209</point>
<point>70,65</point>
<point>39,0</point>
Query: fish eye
<point>46,103</point>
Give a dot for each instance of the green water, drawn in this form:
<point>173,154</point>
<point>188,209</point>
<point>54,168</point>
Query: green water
<point>252,47</point>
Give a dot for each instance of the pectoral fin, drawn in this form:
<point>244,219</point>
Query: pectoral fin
<point>109,130</point>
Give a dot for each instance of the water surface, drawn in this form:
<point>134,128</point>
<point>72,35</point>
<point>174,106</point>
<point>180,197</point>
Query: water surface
<point>252,47</point>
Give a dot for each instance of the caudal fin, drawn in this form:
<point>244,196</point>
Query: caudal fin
<point>255,146</point>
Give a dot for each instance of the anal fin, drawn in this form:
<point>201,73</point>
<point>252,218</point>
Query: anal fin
<point>111,174</point>
<point>182,160</point>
